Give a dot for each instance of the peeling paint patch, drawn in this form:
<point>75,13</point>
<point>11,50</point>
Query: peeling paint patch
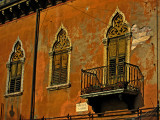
<point>141,35</point>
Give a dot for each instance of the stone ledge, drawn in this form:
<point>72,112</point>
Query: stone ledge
<point>58,87</point>
<point>103,93</point>
<point>13,94</point>
<point>110,92</point>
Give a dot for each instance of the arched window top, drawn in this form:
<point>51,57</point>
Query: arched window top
<point>17,53</point>
<point>62,41</point>
<point>60,60</point>
<point>15,68</point>
<point>118,26</point>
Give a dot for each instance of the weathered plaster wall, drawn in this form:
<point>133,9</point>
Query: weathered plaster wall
<point>145,54</point>
<point>24,28</point>
<point>86,22</point>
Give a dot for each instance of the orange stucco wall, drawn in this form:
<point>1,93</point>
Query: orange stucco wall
<point>86,22</point>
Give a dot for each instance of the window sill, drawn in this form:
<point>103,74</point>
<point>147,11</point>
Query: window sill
<point>13,94</point>
<point>58,87</point>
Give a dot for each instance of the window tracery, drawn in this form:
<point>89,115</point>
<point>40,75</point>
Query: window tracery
<point>118,27</point>
<point>15,67</point>
<point>18,53</point>
<point>117,46</point>
<point>62,41</point>
<point>59,70</point>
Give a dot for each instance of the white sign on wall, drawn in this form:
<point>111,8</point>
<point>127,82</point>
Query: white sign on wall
<point>81,107</point>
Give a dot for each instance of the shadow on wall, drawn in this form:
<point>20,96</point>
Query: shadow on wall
<point>2,111</point>
<point>116,102</point>
<point>139,101</point>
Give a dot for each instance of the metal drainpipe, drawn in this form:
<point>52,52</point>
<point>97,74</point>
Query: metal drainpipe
<point>157,46</point>
<point>34,65</point>
<point>157,62</point>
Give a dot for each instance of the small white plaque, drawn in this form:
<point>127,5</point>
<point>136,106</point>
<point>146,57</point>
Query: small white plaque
<point>81,107</point>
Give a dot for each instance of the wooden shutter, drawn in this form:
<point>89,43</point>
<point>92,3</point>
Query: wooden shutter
<point>121,54</point>
<point>121,60</point>
<point>63,76</point>
<point>117,56</point>
<point>15,77</point>
<point>112,67</point>
<point>12,77</point>
<point>60,64</point>
<point>18,77</point>
<point>56,69</point>
<point>112,57</point>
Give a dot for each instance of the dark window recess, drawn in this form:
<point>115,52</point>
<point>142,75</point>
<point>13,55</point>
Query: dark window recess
<point>60,69</point>
<point>112,67</point>
<point>121,60</point>
<point>15,77</point>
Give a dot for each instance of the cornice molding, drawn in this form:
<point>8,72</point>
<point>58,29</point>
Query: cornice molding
<point>18,9</point>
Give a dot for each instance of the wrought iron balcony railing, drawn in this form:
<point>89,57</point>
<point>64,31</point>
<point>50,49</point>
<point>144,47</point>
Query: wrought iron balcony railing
<point>127,77</point>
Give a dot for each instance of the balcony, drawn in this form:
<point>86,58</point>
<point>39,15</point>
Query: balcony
<point>100,84</point>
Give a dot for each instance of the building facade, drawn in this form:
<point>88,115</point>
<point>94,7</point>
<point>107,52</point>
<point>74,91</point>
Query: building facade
<point>103,53</point>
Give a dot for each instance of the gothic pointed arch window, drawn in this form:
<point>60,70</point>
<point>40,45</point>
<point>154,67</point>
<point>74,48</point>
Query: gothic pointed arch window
<point>60,60</point>
<point>118,47</point>
<point>15,68</point>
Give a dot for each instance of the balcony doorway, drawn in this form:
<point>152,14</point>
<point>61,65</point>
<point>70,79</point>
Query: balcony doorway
<point>118,37</point>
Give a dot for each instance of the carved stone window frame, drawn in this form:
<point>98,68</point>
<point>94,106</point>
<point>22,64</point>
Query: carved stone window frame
<point>51,52</point>
<point>105,40</point>
<point>22,60</point>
